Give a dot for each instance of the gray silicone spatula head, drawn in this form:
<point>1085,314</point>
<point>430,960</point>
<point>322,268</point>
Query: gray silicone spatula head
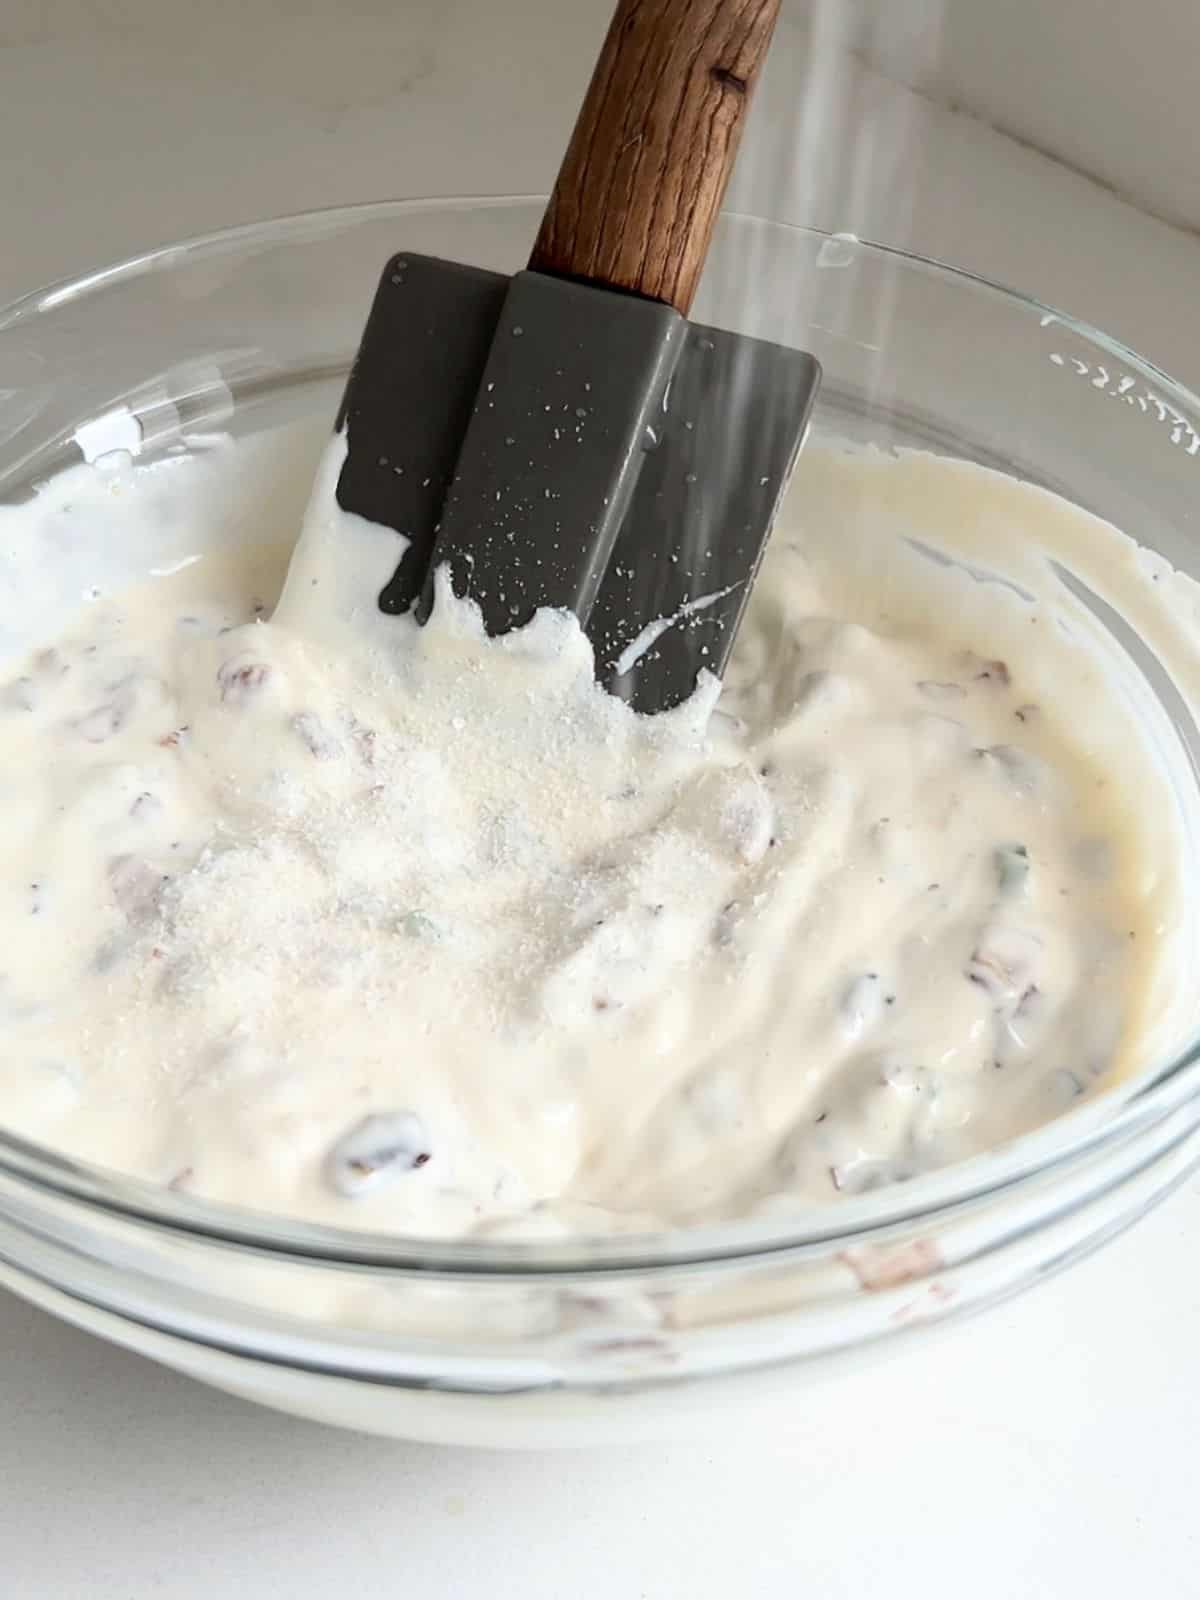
<point>566,437</point>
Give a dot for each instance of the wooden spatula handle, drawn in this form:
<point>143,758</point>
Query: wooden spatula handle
<point>641,183</point>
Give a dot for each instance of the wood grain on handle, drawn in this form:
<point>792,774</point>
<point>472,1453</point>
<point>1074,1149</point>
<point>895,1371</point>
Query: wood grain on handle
<point>642,180</point>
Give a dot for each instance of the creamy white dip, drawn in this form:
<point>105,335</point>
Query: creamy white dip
<point>314,910</point>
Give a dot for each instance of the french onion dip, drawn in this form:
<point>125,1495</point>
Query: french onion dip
<point>314,910</point>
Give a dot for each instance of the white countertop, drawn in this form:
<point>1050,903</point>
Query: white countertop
<point>1046,1450</point>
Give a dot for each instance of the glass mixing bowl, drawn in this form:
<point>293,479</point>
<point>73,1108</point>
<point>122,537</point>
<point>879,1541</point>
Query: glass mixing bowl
<point>507,1344</point>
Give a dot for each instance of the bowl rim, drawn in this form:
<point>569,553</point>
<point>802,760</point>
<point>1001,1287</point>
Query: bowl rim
<point>1131,1105</point>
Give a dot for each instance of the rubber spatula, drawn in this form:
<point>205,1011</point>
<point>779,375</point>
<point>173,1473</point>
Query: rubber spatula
<point>565,437</point>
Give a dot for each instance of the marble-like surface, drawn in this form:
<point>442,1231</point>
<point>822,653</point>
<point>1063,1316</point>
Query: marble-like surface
<point>1045,1450</point>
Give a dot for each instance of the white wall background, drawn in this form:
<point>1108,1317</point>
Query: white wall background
<point>1110,87</point>
<point>124,123</point>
